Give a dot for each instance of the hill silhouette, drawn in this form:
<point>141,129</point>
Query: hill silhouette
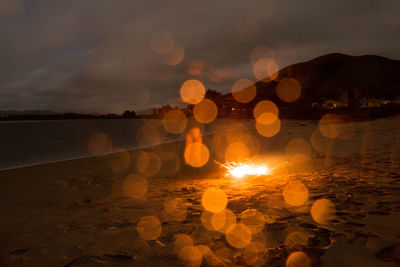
<point>328,76</point>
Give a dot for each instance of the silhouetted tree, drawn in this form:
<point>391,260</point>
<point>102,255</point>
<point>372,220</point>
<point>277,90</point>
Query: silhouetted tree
<point>212,94</point>
<point>129,114</point>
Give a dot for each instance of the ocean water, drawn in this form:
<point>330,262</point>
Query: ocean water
<point>25,143</point>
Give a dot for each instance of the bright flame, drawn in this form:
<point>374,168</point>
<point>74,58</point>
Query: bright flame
<point>240,170</point>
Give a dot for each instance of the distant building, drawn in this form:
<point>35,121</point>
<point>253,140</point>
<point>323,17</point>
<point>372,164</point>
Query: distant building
<point>365,102</point>
<point>376,103</point>
<point>330,104</point>
<point>396,100</point>
<point>227,106</point>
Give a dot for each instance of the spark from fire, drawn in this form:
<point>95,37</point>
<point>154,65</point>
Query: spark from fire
<point>240,170</point>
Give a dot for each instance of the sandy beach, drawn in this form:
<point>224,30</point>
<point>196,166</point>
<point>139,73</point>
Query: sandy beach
<point>79,213</point>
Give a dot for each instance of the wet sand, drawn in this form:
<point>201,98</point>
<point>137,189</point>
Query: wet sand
<point>75,213</point>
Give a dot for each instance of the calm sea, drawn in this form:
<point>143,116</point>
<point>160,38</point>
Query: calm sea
<point>24,143</point>
<point>36,142</point>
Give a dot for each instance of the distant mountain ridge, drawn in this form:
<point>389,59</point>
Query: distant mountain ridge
<point>27,112</point>
<point>328,76</point>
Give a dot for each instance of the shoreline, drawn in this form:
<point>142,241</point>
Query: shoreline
<point>353,113</point>
<point>134,148</point>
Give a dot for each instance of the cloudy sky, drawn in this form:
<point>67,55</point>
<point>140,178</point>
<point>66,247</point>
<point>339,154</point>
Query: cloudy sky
<point>112,55</point>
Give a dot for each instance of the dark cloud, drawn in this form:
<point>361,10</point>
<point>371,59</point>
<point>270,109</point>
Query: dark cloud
<point>86,55</point>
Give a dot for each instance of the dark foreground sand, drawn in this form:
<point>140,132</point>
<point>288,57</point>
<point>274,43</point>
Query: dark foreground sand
<point>75,213</point>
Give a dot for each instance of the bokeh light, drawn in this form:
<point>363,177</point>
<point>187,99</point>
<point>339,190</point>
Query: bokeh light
<point>120,161</point>
<point>260,52</point>
<point>236,152</point>
<point>149,228</point>
<point>323,211</point>
<point>244,90</point>
<point>253,219</point>
<point>196,154</point>
<point>191,256</point>
<point>334,125</point>
<point>267,121</point>
<point>135,186</point>
<point>255,254</point>
<point>267,118</point>
<point>208,255</point>
<point>328,125</point>
<point>162,42</point>
<point>148,135</point>
<point>266,107</point>
<point>206,111</point>
<point>319,142</point>
<point>221,221</point>
<point>268,130</point>
<point>218,220</point>
<point>295,193</point>
<point>100,144</point>
<point>205,218</point>
<point>217,74</point>
<point>182,240</point>
<point>298,259</point>
<point>196,67</point>
<point>192,91</point>
<point>175,121</point>
<point>288,90</point>
<point>298,150</point>
<point>214,200</point>
<point>222,139</point>
<point>238,235</point>
<point>174,210</point>
<point>265,69</point>
<point>175,56</point>
<point>276,202</point>
<point>148,164</point>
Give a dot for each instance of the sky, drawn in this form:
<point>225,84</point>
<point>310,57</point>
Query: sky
<point>115,55</point>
